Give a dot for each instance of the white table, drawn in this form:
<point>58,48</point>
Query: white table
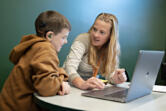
<point>74,101</point>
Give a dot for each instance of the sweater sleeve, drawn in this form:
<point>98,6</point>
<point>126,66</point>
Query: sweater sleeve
<point>73,59</point>
<point>47,77</point>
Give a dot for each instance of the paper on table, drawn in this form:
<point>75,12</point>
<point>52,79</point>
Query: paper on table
<point>158,88</point>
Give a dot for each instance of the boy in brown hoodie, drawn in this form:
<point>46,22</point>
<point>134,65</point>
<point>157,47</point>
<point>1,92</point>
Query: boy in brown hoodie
<point>36,65</point>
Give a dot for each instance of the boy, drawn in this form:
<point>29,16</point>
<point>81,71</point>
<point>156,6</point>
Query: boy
<point>36,65</point>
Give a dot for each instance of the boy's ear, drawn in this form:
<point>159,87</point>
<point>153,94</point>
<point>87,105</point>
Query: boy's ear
<point>49,35</point>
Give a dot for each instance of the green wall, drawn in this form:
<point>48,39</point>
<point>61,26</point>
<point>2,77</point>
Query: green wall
<point>141,22</point>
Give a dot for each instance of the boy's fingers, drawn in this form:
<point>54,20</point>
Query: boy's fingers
<point>60,93</point>
<point>62,89</point>
<point>66,88</point>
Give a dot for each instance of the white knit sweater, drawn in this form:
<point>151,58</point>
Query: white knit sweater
<point>76,64</point>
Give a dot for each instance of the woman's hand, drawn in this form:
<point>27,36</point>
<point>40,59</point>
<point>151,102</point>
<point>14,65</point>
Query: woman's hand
<point>118,77</point>
<point>91,83</point>
<point>65,89</point>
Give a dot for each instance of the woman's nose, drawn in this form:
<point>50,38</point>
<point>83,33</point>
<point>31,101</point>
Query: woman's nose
<point>96,34</point>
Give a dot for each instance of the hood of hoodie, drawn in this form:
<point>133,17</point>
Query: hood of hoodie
<point>25,44</point>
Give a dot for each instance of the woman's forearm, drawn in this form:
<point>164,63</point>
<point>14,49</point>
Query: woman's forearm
<point>78,82</point>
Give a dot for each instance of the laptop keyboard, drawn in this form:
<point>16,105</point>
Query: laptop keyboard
<point>119,94</point>
<point>107,91</point>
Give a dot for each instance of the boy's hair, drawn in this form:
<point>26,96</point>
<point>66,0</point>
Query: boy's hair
<point>51,21</point>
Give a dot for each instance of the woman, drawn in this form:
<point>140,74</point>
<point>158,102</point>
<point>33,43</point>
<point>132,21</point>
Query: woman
<point>93,52</point>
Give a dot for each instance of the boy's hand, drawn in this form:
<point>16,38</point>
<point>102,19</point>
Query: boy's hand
<point>65,89</point>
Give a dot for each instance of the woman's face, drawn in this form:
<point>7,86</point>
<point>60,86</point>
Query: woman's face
<point>100,33</point>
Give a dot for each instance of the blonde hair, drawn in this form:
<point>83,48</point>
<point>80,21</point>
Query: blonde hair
<point>108,55</point>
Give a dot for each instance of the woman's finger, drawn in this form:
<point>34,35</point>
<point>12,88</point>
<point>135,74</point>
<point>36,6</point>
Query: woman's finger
<point>97,83</point>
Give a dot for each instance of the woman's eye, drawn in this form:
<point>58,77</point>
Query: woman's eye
<point>94,29</point>
<point>102,32</point>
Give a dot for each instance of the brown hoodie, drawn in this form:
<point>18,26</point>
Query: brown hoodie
<point>36,70</point>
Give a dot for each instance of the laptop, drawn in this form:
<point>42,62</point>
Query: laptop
<point>143,79</point>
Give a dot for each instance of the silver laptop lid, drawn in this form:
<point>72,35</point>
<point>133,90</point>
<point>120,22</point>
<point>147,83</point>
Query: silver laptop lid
<point>145,73</point>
